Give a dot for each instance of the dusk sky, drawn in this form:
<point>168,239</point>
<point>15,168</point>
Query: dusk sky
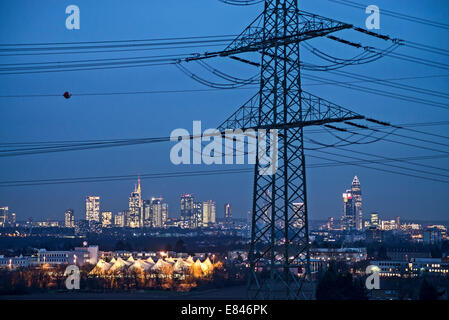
<point>54,118</point>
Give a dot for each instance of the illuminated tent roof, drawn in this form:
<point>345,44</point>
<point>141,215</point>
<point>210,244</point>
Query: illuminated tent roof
<point>112,260</point>
<point>181,265</point>
<point>101,267</point>
<point>207,266</point>
<point>119,264</point>
<point>190,260</point>
<point>131,259</point>
<point>160,264</point>
<point>150,260</point>
<point>140,265</point>
<point>196,269</point>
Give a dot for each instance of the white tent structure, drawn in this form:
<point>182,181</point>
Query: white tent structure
<point>181,266</point>
<point>119,264</point>
<point>190,260</point>
<point>160,265</point>
<point>101,267</point>
<point>150,260</point>
<point>140,265</point>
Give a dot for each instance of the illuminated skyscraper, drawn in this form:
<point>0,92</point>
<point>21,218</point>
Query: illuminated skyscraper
<point>106,219</point>
<point>164,208</point>
<point>352,207</point>
<point>374,220</point>
<point>12,220</point>
<point>227,213</point>
<point>187,210</point>
<point>147,218</point>
<point>69,219</point>
<point>93,209</point>
<point>298,207</point>
<point>197,217</point>
<point>156,212</point>
<point>208,213</point>
<point>357,202</point>
<point>4,211</point>
<point>119,220</point>
<point>348,219</point>
<point>135,217</point>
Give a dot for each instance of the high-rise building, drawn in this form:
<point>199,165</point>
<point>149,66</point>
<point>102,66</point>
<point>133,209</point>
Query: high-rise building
<point>4,212</point>
<point>156,212</point>
<point>227,213</point>
<point>13,219</point>
<point>298,208</point>
<point>93,209</point>
<point>357,202</point>
<point>374,219</point>
<point>147,218</point>
<point>119,220</point>
<point>208,213</point>
<point>69,219</point>
<point>348,219</point>
<point>352,207</point>
<point>187,210</point>
<point>330,223</point>
<point>164,209</point>
<point>197,217</point>
<point>136,214</point>
<point>398,222</point>
<point>106,219</point>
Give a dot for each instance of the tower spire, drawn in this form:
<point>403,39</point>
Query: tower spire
<point>139,189</point>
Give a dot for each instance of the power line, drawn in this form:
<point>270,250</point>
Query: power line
<point>74,94</point>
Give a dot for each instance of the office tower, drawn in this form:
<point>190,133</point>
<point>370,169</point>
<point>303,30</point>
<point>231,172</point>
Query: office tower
<point>187,210</point>
<point>352,207</point>
<point>398,222</point>
<point>164,209</point>
<point>374,219</point>
<point>106,219</point>
<point>147,218</point>
<point>197,216</point>
<point>119,220</point>
<point>330,223</point>
<point>156,212</point>
<point>13,219</point>
<point>227,213</point>
<point>135,218</point>
<point>348,219</point>
<point>69,219</point>
<point>298,207</point>
<point>93,209</point>
<point>208,213</point>
<point>4,211</point>
<point>357,202</point>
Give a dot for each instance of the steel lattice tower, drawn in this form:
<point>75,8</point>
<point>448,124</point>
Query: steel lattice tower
<point>279,250</point>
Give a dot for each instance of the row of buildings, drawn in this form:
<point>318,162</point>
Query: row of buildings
<point>151,213</point>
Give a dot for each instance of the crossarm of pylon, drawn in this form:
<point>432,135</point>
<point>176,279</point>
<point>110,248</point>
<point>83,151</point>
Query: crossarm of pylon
<point>314,111</point>
<point>252,39</point>
<point>245,117</point>
<point>310,26</point>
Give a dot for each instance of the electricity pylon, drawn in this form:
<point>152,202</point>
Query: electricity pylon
<point>279,250</point>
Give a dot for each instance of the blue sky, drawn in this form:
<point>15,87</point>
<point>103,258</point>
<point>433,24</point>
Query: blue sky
<point>134,116</point>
